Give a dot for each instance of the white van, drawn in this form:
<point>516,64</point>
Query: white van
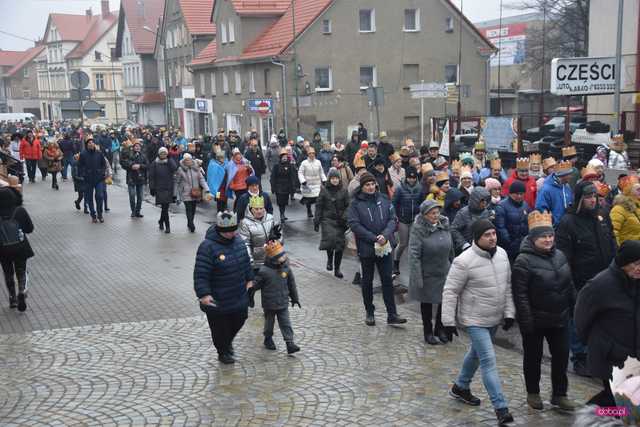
<point>16,117</point>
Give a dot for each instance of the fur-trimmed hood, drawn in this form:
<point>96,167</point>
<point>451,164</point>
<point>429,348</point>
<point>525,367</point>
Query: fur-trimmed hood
<point>627,202</point>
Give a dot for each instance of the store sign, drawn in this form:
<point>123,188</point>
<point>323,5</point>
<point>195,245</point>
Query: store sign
<point>583,76</point>
<point>510,39</point>
<point>260,106</point>
<point>178,103</point>
<point>203,106</point>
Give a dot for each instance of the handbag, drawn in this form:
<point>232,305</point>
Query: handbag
<point>196,192</point>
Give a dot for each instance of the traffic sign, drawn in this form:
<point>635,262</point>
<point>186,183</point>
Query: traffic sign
<point>79,80</point>
<point>428,90</point>
<point>80,94</point>
<point>92,109</point>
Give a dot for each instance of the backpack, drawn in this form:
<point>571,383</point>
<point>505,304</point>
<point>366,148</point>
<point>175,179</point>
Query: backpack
<point>12,239</point>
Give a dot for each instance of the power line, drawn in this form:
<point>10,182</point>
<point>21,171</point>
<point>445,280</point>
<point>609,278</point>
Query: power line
<point>17,36</point>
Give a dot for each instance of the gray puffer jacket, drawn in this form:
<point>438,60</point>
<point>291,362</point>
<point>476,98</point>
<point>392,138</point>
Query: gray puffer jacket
<point>255,233</point>
<point>278,286</point>
<point>478,289</point>
<point>188,177</point>
<point>461,226</point>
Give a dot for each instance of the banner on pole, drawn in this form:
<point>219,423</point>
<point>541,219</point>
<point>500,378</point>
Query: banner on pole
<point>444,144</point>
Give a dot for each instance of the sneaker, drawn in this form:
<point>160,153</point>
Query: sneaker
<point>292,348</point>
<point>396,320</point>
<point>226,359</point>
<point>535,401</point>
<point>356,278</point>
<point>503,416</point>
<point>13,302</point>
<point>100,219</point>
<point>564,403</point>
<point>338,274</point>
<point>431,339</point>
<point>22,303</point>
<point>370,320</point>
<point>269,344</point>
<point>463,395</point>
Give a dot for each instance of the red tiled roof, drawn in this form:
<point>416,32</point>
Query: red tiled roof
<point>151,98</point>
<point>99,28</point>
<point>197,15</point>
<point>9,58</point>
<point>279,36</point>
<point>206,55</point>
<point>143,40</point>
<point>72,27</point>
<point>28,56</point>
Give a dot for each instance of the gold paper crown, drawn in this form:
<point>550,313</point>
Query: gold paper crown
<point>480,145</point>
<point>569,151</point>
<point>426,167</point>
<point>537,219</point>
<point>535,159</point>
<point>496,164</point>
<point>273,248</point>
<point>602,188</point>
<point>442,176</point>
<point>466,170</point>
<point>548,162</point>
<point>618,138</point>
<point>564,166</point>
<point>456,165</point>
<point>588,172</point>
<point>256,202</point>
<point>522,163</point>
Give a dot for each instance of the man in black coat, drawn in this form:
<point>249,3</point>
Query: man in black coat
<point>585,236</point>
<point>92,168</point>
<point>606,317</point>
<point>255,156</point>
<point>136,166</point>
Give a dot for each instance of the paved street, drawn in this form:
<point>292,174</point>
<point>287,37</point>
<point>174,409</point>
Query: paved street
<point>113,336</point>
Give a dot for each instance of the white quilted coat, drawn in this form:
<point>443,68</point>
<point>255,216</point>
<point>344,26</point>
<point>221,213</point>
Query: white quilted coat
<point>311,172</point>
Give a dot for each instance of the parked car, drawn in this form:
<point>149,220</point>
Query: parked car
<point>555,127</point>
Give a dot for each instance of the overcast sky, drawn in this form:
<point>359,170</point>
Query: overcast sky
<point>27,18</point>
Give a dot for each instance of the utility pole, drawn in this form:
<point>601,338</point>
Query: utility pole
<point>295,66</point>
<point>616,97</point>
<point>500,60</point>
<point>422,120</point>
<point>460,75</point>
<point>544,29</point>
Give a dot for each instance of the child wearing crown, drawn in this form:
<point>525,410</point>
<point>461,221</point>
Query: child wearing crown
<point>278,285</point>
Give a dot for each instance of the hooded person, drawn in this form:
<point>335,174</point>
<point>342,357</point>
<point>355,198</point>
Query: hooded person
<point>191,188</point>
<point>478,208</point>
<point>217,179</point>
<point>452,204</point>
<point>586,239</point>
<point>311,177</point>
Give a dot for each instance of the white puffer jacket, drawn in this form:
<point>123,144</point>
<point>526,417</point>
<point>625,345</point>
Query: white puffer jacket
<point>478,289</point>
<point>311,173</point>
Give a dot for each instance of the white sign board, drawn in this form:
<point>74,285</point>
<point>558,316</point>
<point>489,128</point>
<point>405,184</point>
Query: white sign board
<point>444,145</point>
<point>428,90</point>
<point>583,76</point>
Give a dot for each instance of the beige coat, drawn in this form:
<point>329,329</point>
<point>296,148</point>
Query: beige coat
<point>478,289</point>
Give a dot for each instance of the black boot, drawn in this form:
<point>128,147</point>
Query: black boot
<point>329,260</point>
<point>292,348</point>
<point>11,288</point>
<point>396,267</point>
<point>167,228</point>
<point>337,260</point>
<point>161,224</point>
<point>22,303</point>
<point>504,416</point>
<point>269,344</point>
<point>309,213</point>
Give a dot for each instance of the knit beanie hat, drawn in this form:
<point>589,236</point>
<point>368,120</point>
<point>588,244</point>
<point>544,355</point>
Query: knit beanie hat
<point>492,184</point>
<point>333,172</point>
<point>366,177</point>
<point>517,186</point>
<point>628,252</point>
<point>163,150</point>
<point>428,205</point>
<point>412,172</point>
<point>479,227</point>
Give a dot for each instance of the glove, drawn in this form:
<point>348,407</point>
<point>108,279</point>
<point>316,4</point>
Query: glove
<point>508,324</point>
<point>294,303</point>
<point>316,227</point>
<point>450,331</point>
<point>275,233</point>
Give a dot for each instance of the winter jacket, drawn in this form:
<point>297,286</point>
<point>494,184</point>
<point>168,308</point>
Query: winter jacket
<point>135,176</point>
<point>188,177</point>
<point>331,216</point>
<point>587,241</point>
<point>30,150</point>
<point>542,288</point>
<point>255,233</point>
<point>607,320</point>
<point>277,285</point>
<point>92,167</point>
<point>273,154</point>
<point>256,158</point>
<point>283,179</point>
<point>161,180</point>
<point>625,218</point>
<point>453,195</point>
<point>233,168</point>
<point>554,197</point>
<point>430,255</point>
<point>477,291</point>
<point>397,176</point>
<point>346,176</point>
<point>407,200</point>
<point>619,160</point>
<point>350,151</point>
<point>311,174</point>
<point>531,188</point>
<point>11,206</point>
<point>369,216</point>
<point>461,226</point>
<point>325,157</point>
<point>512,225</point>
<point>216,177</point>
<point>67,147</point>
<point>385,150</point>
<point>222,270</point>
<point>53,156</point>
<point>241,203</point>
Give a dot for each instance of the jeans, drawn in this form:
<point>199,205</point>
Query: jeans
<point>190,210</point>
<point>98,188</point>
<point>482,354</point>
<point>136,193</point>
<point>403,235</point>
<point>284,323</point>
<point>224,328</point>
<point>532,345</point>
<point>578,349</point>
<point>66,162</point>
<point>31,169</point>
<point>17,268</point>
<point>384,265</point>
<point>426,310</point>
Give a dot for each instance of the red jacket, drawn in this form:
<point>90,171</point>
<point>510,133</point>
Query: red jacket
<point>530,186</point>
<point>31,151</point>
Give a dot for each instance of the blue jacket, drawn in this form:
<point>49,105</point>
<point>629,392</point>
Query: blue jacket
<point>407,200</point>
<point>325,157</point>
<point>92,166</point>
<point>512,225</point>
<point>222,270</point>
<point>369,216</point>
<point>554,197</point>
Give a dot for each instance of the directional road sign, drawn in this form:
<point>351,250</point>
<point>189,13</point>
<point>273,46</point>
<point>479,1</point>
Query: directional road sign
<point>92,109</point>
<point>428,90</point>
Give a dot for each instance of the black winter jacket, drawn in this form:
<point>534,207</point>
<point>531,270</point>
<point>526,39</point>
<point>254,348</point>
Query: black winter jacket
<point>257,161</point>
<point>407,200</point>
<point>283,178</point>
<point>542,289</point>
<point>137,176</point>
<point>161,180</point>
<point>92,167</point>
<point>369,216</point>
<point>512,225</point>
<point>11,206</point>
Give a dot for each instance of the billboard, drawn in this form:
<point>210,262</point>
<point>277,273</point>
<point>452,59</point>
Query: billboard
<point>510,39</point>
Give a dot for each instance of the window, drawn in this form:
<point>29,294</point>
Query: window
<point>451,73</point>
<point>449,27</point>
<point>326,130</point>
<point>367,20</point>
<point>326,26</point>
<point>323,79</point>
<point>252,82</point>
<point>225,83</point>
<point>97,55</point>
<point>213,84</point>
<point>26,93</point>
<point>232,32</point>
<point>267,81</point>
<point>410,74</point>
<point>99,81</point>
<point>411,20</point>
<point>223,33</point>
<point>238,82</point>
<point>368,77</point>
<point>25,72</point>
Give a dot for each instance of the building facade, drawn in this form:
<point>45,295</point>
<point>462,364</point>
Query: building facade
<point>8,59</point>
<point>341,48</point>
<point>21,82</point>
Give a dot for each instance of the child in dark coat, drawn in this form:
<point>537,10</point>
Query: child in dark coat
<point>278,285</point>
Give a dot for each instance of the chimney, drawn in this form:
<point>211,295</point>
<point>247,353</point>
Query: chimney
<point>140,8</point>
<point>88,13</point>
<point>104,5</point>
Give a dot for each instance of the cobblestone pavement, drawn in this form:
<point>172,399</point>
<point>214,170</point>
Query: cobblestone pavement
<point>113,337</point>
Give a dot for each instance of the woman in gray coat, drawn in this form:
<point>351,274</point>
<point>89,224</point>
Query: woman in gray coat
<point>430,255</point>
<point>191,187</point>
